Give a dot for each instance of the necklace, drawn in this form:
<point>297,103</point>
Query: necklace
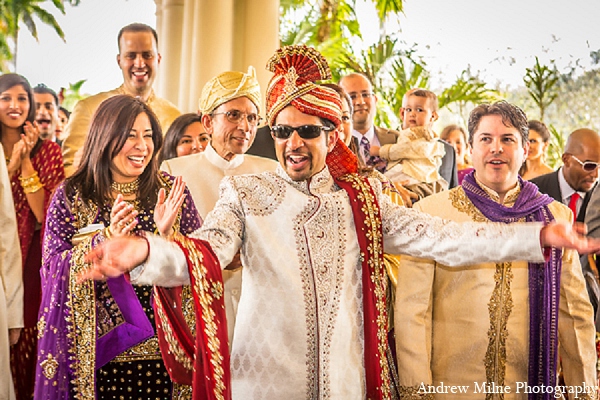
<point>126,188</point>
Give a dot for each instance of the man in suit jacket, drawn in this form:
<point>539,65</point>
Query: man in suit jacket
<point>364,103</point>
<point>578,174</point>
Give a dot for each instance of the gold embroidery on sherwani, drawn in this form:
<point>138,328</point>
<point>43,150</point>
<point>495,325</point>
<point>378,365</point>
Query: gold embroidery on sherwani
<point>203,288</point>
<point>378,274</point>
<point>321,269</point>
<point>414,393</point>
<point>260,195</point>
<point>501,302</point>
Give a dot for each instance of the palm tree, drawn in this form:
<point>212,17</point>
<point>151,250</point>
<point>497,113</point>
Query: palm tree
<point>13,12</point>
<point>392,66</point>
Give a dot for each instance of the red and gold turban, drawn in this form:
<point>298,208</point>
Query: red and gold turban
<point>297,69</point>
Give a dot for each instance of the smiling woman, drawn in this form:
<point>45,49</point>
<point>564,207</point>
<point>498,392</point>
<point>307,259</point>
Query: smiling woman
<point>113,193</point>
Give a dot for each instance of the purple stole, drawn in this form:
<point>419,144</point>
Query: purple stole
<point>544,278</point>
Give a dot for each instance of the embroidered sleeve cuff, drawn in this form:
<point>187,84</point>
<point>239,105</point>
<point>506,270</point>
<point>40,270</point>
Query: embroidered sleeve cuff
<point>166,265</point>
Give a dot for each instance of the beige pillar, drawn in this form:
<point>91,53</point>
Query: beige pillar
<point>257,37</point>
<point>207,37</point>
<point>169,16</point>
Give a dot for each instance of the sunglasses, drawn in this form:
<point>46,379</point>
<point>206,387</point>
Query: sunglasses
<point>588,166</point>
<point>304,131</point>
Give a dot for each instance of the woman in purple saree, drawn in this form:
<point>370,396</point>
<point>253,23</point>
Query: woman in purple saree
<point>97,339</point>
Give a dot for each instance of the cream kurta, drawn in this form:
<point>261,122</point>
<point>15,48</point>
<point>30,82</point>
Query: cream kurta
<point>299,330</point>
<point>203,173</point>
<point>11,280</point>
<point>79,123</point>
<point>444,316</point>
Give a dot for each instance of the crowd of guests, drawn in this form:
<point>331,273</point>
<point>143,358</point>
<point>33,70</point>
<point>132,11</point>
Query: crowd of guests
<point>107,172</point>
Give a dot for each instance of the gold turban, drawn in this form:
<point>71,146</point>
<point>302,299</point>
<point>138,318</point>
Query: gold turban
<point>297,69</point>
<point>228,86</point>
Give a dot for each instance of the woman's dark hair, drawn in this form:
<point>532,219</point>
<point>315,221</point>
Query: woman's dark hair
<point>541,129</point>
<point>343,95</point>
<point>110,127</point>
<point>67,112</point>
<point>8,81</point>
<point>174,134</point>
<point>451,128</point>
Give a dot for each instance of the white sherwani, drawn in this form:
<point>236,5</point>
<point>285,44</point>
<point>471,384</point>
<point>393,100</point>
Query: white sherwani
<point>203,173</point>
<point>450,321</point>
<point>299,331</point>
<point>11,281</point>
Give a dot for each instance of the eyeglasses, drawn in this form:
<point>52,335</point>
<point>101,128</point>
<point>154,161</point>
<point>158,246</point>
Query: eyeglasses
<point>304,131</point>
<point>364,95</point>
<point>588,166</point>
<point>235,117</point>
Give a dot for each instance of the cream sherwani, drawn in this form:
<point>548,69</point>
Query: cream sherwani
<point>79,123</point>
<point>203,173</point>
<point>450,321</point>
<point>11,281</point>
<point>299,331</point>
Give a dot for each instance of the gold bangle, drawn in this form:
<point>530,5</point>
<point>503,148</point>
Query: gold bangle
<point>32,188</point>
<point>31,184</point>
<point>32,176</point>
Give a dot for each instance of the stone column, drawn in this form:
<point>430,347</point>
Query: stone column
<point>202,38</point>
<point>169,17</point>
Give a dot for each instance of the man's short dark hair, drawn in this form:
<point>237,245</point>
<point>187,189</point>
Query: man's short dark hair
<point>43,89</point>
<point>136,27</point>
<point>511,116</point>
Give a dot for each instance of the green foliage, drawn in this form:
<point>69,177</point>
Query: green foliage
<point>15,12</point>
<point>392,66</point>
<point>555,148</point>
<point>541,81</point>
<point>72,94</point>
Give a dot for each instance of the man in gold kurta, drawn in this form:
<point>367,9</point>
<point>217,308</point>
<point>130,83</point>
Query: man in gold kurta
<point>138,59</point>
<point>466,333</point>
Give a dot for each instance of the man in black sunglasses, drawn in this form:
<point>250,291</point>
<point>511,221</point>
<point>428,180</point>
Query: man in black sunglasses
<point>312,321</point>
<point>572,184</point>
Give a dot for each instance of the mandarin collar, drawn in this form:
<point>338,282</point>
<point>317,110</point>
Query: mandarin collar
<point>321,182</point>
<point>214,158</point>
<point>510,197</point>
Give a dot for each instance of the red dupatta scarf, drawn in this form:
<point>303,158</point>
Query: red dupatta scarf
<point>343,166</point>
<point>201,358</point>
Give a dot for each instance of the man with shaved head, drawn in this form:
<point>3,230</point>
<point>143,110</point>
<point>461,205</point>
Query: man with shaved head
<point>572,183</point>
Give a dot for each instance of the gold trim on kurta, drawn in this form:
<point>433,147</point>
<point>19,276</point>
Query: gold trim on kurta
<point>500,304</point>
<point>414,393</point>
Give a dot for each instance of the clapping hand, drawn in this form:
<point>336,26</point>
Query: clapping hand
<point>122,218</point>
<point>166,211</point>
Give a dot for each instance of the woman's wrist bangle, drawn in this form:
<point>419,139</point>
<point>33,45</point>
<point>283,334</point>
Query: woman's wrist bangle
<point>31,184</point>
